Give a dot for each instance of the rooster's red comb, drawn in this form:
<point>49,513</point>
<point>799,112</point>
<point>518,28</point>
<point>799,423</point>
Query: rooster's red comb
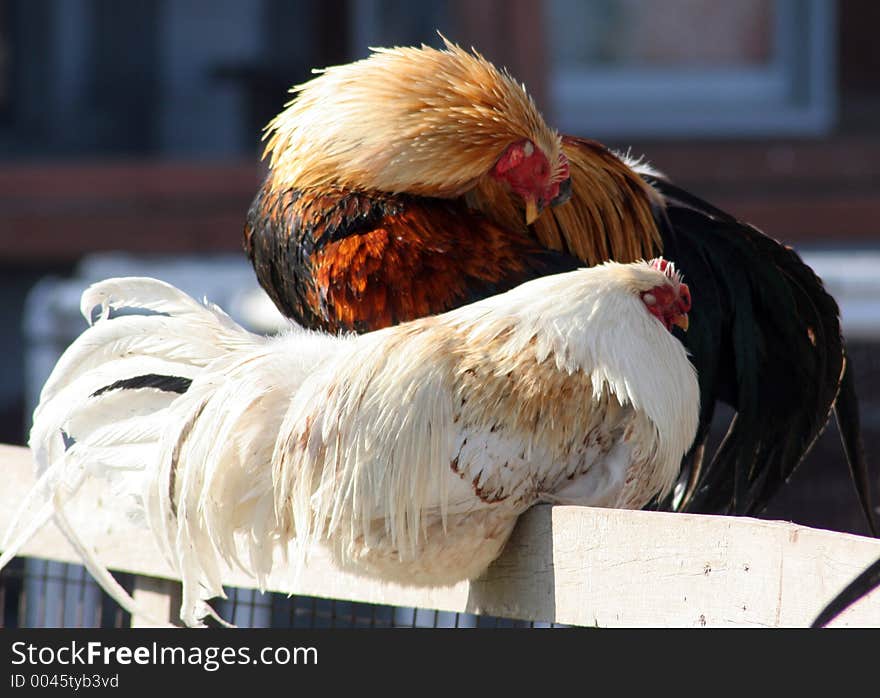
<point>666,267</point>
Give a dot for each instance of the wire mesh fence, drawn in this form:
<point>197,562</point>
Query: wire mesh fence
<point>248,608</point>
<point>37,593</point>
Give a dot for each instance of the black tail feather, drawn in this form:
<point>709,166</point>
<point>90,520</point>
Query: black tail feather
<point>846,410</point>
<point>862,585</point>
<point>765,338</point>
<point>170,384</point>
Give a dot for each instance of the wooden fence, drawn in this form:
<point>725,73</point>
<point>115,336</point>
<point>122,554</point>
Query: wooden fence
<point>572,565</point>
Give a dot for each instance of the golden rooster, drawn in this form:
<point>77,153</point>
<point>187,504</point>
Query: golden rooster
<point>417,180</point>
<point>409,452</point>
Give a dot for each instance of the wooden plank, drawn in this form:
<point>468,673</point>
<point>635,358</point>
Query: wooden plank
<point>796,191</point>
<point>567,564</point>
<point>26,185</point>
<point>55,238</point>
<point>58,212</point>
<point>807,216</point>
<point>160,598</point>
<point>754,164</point>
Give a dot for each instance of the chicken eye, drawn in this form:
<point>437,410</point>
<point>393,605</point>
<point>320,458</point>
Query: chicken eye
<point>685,295</point>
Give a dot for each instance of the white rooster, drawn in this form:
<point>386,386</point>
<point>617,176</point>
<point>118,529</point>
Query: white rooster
<point>409,452</point>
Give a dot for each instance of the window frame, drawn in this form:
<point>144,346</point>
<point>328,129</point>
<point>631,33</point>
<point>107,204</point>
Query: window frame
<point>794,95</point>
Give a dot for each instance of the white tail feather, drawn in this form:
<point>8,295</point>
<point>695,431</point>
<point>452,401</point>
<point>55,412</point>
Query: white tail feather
<point>84,427</point>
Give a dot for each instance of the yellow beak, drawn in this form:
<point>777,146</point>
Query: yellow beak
<point>682,322</point>
<point>532,211</point>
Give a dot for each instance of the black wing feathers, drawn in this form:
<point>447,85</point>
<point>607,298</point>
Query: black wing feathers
<point>862,585</point>
<point>765,336</point>
<point>846,411</point>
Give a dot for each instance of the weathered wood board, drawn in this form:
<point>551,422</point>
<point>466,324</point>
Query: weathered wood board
<point>573,565</point>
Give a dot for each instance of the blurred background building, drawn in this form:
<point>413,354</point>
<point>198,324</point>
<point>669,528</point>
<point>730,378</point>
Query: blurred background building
<point>135,127</point>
